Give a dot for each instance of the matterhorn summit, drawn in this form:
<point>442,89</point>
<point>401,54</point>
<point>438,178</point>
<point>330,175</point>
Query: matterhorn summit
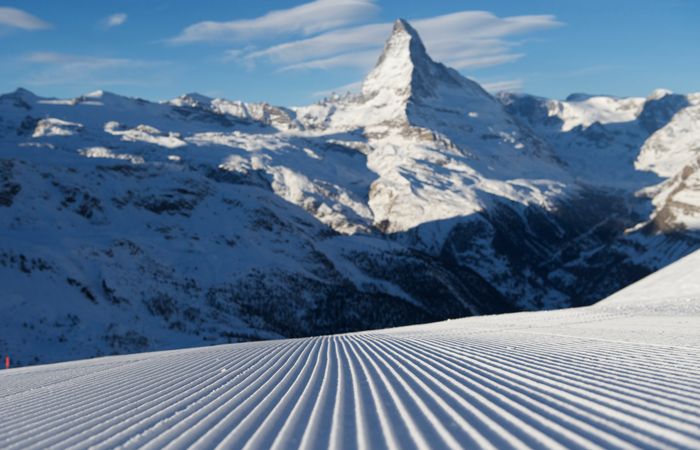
<point>404,69</point>
<point>409,95</point>
<point>407,88</point>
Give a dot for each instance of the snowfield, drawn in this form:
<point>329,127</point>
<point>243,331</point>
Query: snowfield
<point>621,374</point>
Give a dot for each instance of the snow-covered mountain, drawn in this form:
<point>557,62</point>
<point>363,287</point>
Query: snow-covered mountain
<point>619,374</point>
<point>130,225</point>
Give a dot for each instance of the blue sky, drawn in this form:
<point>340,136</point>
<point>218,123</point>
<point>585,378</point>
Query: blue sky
<point>292,52</point>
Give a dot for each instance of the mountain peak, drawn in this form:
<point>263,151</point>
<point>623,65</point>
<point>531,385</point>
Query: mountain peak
<point>402,26</point>
<point>191,99</point>
<point>658,94</point>
<point>21,93</point>
<point>398,64</point>
<point>24,92</point>
<point>405,77</point>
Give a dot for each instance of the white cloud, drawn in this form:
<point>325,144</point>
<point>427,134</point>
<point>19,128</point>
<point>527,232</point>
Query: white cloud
<point>464,40</point>
<point>325,45</point>
<point>506,85</point>
<point>69,59</point>
<point>16,18</point>
<point>307,19</point>
<point>484,60</point>
<point>359,59</point>
<point>114,20</point>
<point>65,68</point>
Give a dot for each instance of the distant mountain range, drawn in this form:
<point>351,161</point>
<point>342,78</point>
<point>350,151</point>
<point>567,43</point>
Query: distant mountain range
<point>129,225</point>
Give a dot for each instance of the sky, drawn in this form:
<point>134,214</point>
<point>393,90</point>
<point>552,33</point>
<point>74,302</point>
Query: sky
<point>295,52</point>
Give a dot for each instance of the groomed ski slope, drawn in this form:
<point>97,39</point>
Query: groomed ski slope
<point>622,374</point>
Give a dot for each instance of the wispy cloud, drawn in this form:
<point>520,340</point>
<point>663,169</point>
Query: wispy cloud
<point>66,59</point>
<point>64,68</point>
<point>305,19</point>
<point>505,85</point>
<point>464,40</point>
<point>584,71</point>
<point>579,72</point>
<point>348,41</point>
<point>359,59</point>
<point>114,20</point>
<point>16,18</point>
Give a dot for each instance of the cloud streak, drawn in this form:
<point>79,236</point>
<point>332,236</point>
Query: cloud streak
<point>305,19</point>
<point>16,18</point>
<point>114,20</point>
<point>66,59</point>
<point>64,68</point>
<point>464,40</point>
<point>506,85</point>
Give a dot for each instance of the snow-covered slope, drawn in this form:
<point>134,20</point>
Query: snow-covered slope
<point>622,374</point>
<point>671,147</point>
<point>434,134</point>
<point>129,225</point>
<point>675,285</point>
<point>609,140</point>
<point>132,226</point>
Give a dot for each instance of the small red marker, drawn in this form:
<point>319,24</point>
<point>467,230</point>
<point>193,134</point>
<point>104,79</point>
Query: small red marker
<point>7,362</point>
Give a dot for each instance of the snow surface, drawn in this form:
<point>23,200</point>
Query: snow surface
<point>601,109</point>
<point>621,374</point>
<point>668,150</point>
<point>673,285</point>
